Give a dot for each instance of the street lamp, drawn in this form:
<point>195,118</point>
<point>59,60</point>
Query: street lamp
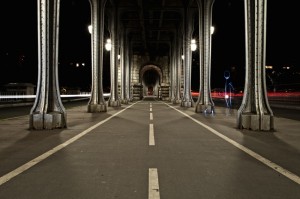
<point>108,44</point>
<point>212,30</point>
<point>90,28</point>
<point>193,45</point>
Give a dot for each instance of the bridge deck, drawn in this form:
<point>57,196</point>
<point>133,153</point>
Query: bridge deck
<point>149,149</point>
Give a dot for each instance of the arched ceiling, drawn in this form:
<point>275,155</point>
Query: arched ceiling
<point>150,24</point>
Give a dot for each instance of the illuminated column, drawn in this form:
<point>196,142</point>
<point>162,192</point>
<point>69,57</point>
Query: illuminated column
<point>97,102</point>
<point>127,67</point>
<point>255,112</point>
<point>187,100</point>
<point>48,111</point>
<point>122,68</point>
<point>204,102</point>
<point>114,98</point>
<point>173,69</point>
<point>178,60</point>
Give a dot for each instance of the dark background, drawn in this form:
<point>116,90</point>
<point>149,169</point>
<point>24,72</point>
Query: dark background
<point>19,61</point>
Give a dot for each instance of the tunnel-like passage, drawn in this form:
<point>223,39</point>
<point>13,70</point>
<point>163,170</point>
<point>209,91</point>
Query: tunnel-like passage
<point>150,76</point>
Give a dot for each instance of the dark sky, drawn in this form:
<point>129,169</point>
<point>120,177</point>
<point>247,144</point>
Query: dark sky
<point>19,43</point>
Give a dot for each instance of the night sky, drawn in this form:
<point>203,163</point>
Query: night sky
<point>19,41</point>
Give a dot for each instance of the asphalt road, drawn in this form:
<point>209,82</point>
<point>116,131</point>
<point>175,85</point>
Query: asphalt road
<point>147,150</point>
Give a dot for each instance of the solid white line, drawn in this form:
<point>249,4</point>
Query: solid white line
<point>151,116</point>
<point>153,190</point>
<point>260,158</point>
<point>151,135</point>
<point>38,159</point>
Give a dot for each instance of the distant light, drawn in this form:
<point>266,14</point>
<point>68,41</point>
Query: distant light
<point>90,28</point>
<point>286,67</point>
<point>269,67</point>
<point>108,45</point>
<point>212,30</point>
<point>193,45</point>
<point>182,57</point>
<point>119,56</point>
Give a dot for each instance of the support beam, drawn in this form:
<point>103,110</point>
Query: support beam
<point>255,112</point>
<point>204,102</point>
<point>178,65</point>
<point>97,102</point>
<point>187,100</point>
<point>48,111</point>
<point>114,101</point>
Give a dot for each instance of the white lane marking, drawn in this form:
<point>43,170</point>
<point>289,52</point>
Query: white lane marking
<point>151,116</point>
<point>38,159</point>
<point>150,105</point>
<point>151,135</point>
<point>150,109</point>
<point>153,190</point>
<point>260,158</point>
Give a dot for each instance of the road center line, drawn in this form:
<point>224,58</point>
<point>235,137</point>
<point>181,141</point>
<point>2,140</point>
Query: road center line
<point>151,116</point>
<point>40,158</point>
<point>151,135</point>
<point>258,157</point>
<point>153,190</point>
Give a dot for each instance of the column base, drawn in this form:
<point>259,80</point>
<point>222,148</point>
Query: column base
<point>189,103</point>
<point>54,120</point>
<point>124,101</point>
<point>256,122</point>
<point>201,108</point>
<point>115,103</point>
<point>176,101</point>
<point>96,108</point>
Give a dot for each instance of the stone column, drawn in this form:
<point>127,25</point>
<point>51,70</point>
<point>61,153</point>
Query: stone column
<point>204,102</point>
<point>187,100</point>
<point>114,97</point>
<point>48,111</point>
<point>97,102</point>
<point>255,112</point>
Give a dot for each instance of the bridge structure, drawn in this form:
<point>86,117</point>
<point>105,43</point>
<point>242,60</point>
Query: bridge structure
<point>151,38</point>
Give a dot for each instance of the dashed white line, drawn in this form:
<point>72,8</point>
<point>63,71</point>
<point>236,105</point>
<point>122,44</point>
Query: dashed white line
<point>151,135</point>
<point>153,190</point>
<point>151,116</point>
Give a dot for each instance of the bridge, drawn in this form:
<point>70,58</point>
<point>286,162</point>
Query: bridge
<point>151,37</point>
<point>152,137</point>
